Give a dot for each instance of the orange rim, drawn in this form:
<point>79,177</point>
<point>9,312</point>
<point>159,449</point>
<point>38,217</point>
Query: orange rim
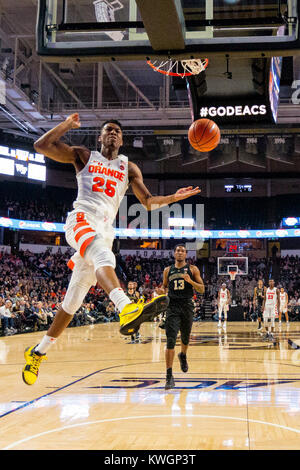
<point>175,74</point>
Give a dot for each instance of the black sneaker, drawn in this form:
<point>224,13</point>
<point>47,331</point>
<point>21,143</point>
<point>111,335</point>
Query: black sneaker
<point>137,337</point>
<point>170,383</point>
<point>266,337</point>
<point>183,362</point>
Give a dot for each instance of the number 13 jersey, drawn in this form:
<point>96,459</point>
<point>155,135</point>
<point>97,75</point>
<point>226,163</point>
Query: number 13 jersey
<point>178,288</point>
<point>102,184</point>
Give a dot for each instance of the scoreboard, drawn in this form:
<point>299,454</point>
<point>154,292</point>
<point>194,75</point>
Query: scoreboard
<point>233,247</point>
<point>22,163</point>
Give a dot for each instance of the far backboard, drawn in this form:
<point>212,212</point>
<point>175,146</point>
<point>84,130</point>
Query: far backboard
<point>239,264</point>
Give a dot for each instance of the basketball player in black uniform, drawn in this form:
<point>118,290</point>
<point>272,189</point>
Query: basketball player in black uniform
<point>134,296</point>
<point>179,280</point>
<point>259,295</point>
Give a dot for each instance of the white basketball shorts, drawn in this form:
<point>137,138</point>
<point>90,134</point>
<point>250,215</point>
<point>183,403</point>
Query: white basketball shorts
<point>82,228</point>
<point>282,308</point>
<point>270,311</point>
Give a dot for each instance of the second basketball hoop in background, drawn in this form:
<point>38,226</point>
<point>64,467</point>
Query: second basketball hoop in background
<point>204,135</point>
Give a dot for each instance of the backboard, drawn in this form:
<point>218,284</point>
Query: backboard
<point>103,30</point>
<point>239,264</point>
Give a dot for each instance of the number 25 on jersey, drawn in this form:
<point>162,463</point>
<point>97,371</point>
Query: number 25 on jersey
<point>100,186</point>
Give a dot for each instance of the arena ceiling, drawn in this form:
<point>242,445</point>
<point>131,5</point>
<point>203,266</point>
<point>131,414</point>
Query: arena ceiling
<point>148,104</point>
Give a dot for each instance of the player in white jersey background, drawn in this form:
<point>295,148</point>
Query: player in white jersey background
<point>283,305</point>
<point>270,303</point>
<point>223,304</point>
<point>102,178</point>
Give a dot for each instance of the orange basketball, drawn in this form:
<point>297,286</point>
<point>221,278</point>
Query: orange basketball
<point>204,135</point>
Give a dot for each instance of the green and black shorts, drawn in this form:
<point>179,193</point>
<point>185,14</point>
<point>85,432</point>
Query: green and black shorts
<point>179,318</point>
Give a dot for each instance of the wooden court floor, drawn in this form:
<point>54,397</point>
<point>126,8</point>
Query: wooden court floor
<point>98,391</point>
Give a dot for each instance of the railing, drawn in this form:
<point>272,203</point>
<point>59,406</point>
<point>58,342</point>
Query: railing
<point>137,103</point>
<point>109,105</point>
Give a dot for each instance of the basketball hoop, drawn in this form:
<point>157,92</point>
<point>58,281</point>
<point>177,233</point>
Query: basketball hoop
<point>172,67</point>
<point>232,275</point>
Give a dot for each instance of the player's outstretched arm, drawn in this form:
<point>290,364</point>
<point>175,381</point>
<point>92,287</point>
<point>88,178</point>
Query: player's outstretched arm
<point>52,147</point>
<point>155,202</point>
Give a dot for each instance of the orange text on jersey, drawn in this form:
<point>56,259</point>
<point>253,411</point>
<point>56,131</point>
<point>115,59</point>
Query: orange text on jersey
<point>102,170</point>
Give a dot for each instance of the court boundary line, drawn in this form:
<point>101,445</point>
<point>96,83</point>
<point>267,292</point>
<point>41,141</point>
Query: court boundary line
<point>28,403</point>
<point>89,423</point>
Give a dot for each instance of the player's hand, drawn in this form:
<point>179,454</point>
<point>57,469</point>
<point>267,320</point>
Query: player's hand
<point>160,290</point>
<point>187,278</point>
<point>184,193</point>
<point>73,121</point>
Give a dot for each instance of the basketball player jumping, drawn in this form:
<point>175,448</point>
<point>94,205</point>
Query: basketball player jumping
<point>283,306</point>
<point>102,179</point>
<point>223,304</point>
<point>179,280</point>
<point>258,298</point>
<point>271,301</point>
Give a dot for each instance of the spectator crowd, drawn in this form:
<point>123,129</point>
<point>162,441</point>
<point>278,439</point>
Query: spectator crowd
<point>33,285</point>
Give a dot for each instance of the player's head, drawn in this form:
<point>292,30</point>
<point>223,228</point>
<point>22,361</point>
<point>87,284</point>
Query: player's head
<point>111,134</point>
<point>282,290</point>
<point>223,285</point>
<point>180,252</point>
<point>130,285</point>
<point>260,283</point>
<point>271,283</point>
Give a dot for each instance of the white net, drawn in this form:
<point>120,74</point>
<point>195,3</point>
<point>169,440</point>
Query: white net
<point>105,13</point>
<point>194,66</point>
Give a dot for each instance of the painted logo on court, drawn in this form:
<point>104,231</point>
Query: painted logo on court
<point>195,383</point>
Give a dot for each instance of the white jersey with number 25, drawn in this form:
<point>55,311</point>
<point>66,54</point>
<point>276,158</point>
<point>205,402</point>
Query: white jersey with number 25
<point>102,184</point>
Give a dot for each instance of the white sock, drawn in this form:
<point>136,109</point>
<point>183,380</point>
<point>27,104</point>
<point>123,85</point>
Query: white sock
<point>119,298</point>
<point>45,344</point>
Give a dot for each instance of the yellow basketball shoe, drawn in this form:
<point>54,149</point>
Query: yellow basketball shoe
<point>133,315</point>
<point>33,362</point>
